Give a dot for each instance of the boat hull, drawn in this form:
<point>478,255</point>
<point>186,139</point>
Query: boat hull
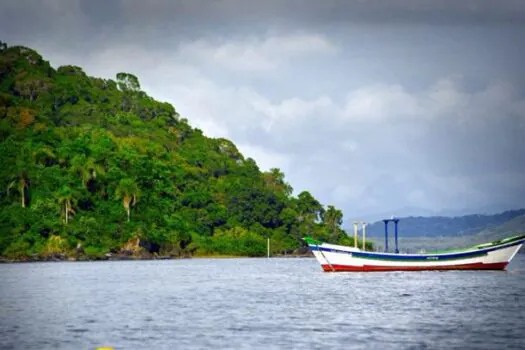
<point>368,268</point>
<point>335,258</point>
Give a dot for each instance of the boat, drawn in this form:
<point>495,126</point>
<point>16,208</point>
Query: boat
<point>495,255</point>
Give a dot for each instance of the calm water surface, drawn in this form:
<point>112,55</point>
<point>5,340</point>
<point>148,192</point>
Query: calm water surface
<point>256,303</point>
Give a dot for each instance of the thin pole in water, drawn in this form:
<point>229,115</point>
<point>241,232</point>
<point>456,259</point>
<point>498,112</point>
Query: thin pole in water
<point>355,233</point>
<point>268,248</point>
<point>386,234</point>
<point>364,235</point>
<point>395,222</point>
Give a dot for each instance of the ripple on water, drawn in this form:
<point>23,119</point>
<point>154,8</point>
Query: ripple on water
<point>255,303</point>
<point>78,330</point>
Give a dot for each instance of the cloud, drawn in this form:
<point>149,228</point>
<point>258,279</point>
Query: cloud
<point>328,11</point>
<point>287,112</point>
<point>255,53</point>
<point>265,158</point>
<point>429,149</point>
<point>444,99</point>
<point>166,21</point>
<point>374,103</point>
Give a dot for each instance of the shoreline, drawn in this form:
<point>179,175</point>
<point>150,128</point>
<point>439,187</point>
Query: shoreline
<point>53,259</point>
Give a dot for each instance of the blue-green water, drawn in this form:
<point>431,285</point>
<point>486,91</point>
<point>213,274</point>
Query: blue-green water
<point>256,303</point>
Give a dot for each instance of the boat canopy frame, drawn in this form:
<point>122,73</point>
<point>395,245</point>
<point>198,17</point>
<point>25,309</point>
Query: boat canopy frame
<point>395,221</point>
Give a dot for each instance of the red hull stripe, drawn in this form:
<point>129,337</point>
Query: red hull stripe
<point>475,266</point>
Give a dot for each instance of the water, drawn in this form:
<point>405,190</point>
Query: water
<point>256,303</point>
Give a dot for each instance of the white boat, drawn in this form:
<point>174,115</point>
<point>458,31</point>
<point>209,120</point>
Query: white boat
<point>490,256</point>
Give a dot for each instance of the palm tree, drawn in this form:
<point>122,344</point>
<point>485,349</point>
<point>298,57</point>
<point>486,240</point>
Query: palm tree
<point>66,200</point>
<point>23,167</point>
<point>332,218</point>
<point>23,186</point>
<point>128,191</point>
<point>87,168</point>
<point>43,155</point>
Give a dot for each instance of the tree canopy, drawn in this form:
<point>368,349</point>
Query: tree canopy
<point>92,166</point>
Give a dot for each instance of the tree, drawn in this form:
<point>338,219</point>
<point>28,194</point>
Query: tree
<point>44,155</point>
<point>128,191</point>
<point>22,167</point>
<point>274,180</point>
<point>71,70</point>
<point>128,82</point>
<point>332,219</point>
<point>66,199</point>
<point>308,206</point>
<point>86,167</point>
<point>30,87</point>
<point>21,183</point>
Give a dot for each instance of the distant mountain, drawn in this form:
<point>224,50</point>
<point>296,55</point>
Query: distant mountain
<point>516,224</point>
<point>413,211</point>
<point>410,211</point>
<point>434,226</point>
<point>416,243</point>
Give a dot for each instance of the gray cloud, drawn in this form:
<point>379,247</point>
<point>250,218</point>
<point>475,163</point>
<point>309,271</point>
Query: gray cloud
<point>155,16</point>
<point>329,11</point>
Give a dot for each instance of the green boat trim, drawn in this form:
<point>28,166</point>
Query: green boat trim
<point>312,241</point>
<point>480,246</point>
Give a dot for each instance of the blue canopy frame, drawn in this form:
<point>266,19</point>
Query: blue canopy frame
<point>395,221</point>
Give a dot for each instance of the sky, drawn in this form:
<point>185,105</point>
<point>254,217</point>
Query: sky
<point>398,107</point>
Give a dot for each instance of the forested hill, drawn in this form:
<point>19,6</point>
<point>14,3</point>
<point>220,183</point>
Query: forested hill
<point>433,226</point>
<point>92,167</point>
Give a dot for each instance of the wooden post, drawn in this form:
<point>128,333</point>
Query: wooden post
<point>364,234</point>
<point>355,233</point>
<point>397,247</point>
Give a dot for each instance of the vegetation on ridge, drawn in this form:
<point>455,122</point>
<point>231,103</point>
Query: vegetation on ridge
<point>91,166</point>
<point>432,226</point>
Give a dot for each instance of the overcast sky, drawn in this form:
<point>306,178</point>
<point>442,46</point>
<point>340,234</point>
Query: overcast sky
<point>379,107</point>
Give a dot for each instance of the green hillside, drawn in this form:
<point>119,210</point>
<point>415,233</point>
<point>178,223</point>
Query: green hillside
<point>91,167</point>
<point>516,224</point>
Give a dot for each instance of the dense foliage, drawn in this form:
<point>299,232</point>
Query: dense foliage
<point>92,166</point>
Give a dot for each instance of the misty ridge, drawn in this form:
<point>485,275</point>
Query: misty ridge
<point>441,232</point>
<point>431,226</point>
